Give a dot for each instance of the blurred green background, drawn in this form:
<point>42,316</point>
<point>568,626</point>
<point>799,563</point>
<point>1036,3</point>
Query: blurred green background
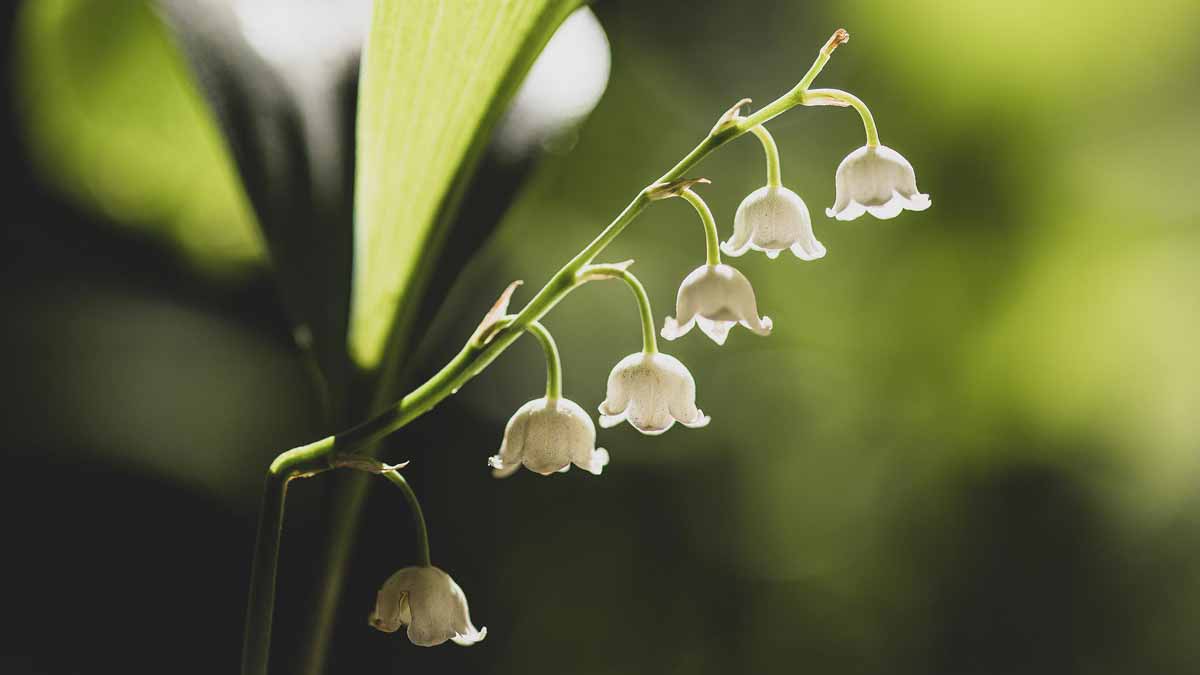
<point>970,446</point>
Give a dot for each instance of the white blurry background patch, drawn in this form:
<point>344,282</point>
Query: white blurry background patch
<point>564,85</point>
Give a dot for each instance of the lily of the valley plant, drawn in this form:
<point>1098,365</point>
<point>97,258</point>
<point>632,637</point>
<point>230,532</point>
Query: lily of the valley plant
<point>648,389</point>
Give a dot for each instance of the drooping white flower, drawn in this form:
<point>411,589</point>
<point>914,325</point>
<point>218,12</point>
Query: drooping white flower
<point>428,601</point>
<point>716,297</point>
<point>876,180</point>
<point>652,392</point>
<point>548,435</point>
<point>772,219</point>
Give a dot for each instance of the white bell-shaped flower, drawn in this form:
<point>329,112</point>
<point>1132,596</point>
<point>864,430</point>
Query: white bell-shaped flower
<point>772,219</point>
<point>548,435</point>
<point>652,392</point>
<point>428,601</point>
<point>716,297</point>
<point>876,180</point>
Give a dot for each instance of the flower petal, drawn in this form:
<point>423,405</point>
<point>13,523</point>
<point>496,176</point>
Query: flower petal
<point>889,210</point>
<point>701,420</point>
<point>761,326</point>
<point>610,421</point>
<point>918,202</point>
<point>647,428</point>
<point>616,398</point>
<point>500,469</point>
<point>718,331</point>
<point>850,212</point>
<point>386,615</point>
<point>736,244</point>
<point>810,250</point>
<point>671,329</point>
<point>594,462</point>
<point>471,637</point>
<point>735,250</point>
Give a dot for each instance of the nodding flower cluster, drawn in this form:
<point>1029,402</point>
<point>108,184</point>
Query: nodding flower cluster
<point>648,389</point>
<point>652,390</point>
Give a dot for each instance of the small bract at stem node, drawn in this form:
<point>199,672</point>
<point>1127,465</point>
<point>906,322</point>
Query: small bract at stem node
<point>729,118</point>
<point>491,321</point>
<point>673,188</point>
<point>365,463</point>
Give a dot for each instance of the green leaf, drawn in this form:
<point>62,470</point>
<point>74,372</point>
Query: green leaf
<point>113,119</point>
<point>435,79</point>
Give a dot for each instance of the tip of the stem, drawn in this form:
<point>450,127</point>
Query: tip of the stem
<point>839,36</point>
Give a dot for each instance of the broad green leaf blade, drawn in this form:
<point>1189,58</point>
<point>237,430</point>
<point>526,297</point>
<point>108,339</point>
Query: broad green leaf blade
<point>436,77</point>
<point>113,118</point>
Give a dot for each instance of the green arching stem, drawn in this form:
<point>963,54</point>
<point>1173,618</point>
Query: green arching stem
<point>470,361</point>
<point>649,335</point>
<point>774,179</point>
<point>260,605</point>
<point>306,460</point>
<point>712,242</point>
<point>855,102</point>
<point>553,362</point>
<point>414,507</point>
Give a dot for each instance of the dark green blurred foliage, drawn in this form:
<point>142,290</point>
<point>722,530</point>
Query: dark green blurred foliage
<point>970,446</point>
